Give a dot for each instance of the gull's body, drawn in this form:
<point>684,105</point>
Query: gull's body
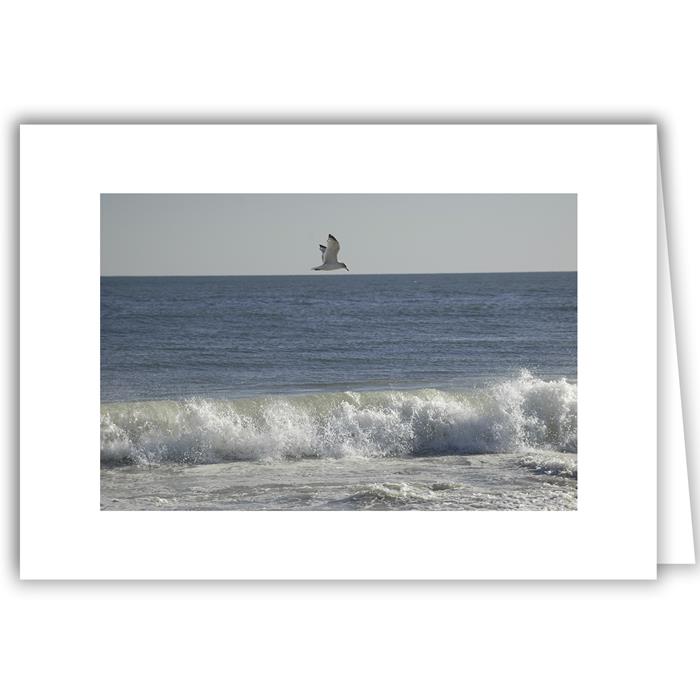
<point>329,256</point>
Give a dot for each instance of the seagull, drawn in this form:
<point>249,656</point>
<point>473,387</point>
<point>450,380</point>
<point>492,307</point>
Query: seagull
<point>329,255</point>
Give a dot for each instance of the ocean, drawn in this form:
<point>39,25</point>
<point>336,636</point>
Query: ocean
<point>339,391</point>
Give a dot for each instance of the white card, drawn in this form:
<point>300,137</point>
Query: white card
<point>676,544</point>
<point>612,172</point>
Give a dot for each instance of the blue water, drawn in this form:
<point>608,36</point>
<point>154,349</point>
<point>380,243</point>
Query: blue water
<point>339,392</point>
<point>228,337</point>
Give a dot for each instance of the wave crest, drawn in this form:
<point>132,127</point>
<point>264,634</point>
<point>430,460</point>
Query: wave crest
<point>524,413</point>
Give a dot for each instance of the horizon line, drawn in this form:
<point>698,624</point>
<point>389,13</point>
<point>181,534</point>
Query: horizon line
<point>356,274</point>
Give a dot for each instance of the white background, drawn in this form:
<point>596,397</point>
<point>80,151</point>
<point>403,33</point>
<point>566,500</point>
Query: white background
<point>507,61</point>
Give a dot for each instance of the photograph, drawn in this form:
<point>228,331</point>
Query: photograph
<point>338,352</point>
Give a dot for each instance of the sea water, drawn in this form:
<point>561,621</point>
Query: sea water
<point>339,391</point>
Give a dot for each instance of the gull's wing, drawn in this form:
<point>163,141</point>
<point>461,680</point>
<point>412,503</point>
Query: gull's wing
<point>323,252</point>
<point>330,253</point>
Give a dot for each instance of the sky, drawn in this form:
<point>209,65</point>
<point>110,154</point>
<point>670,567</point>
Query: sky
<point>279,234</point>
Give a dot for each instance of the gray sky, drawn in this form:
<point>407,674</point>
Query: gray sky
<point>269,234</point>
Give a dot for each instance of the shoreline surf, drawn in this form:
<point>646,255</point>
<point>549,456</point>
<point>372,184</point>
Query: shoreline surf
<point>512,415</point>
<point>506,481</point>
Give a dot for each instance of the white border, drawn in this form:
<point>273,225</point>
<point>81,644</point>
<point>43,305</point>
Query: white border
<point>65,168</point>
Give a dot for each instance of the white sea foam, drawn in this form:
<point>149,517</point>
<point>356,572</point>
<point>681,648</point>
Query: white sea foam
<point>551,464</point>
<point>521,414</point>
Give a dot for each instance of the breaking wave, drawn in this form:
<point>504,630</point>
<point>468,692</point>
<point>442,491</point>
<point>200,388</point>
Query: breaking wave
<point>521,414</point>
